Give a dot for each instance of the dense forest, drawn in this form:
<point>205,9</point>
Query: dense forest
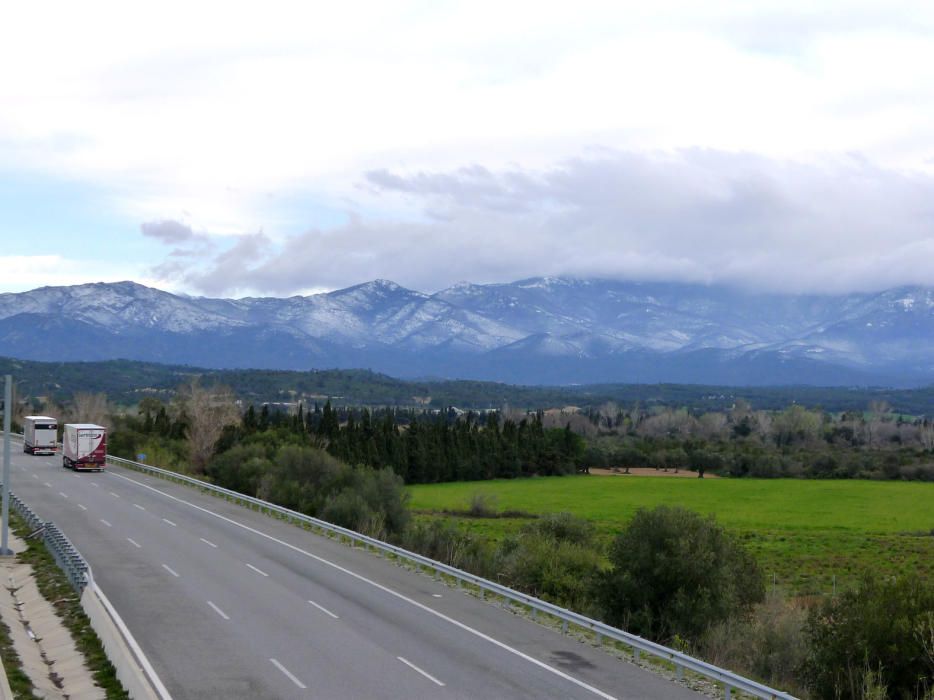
<point>127,382</point>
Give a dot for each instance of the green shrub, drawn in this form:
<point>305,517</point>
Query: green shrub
<point>885,628</point>
<point>768,643</point>
<point>675,572</point>
<point>562,527</point>
<point>560,571</point>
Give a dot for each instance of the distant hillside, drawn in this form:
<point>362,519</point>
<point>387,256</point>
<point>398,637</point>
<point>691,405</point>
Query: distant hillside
<point>542,331</point>
<point>126,382</point>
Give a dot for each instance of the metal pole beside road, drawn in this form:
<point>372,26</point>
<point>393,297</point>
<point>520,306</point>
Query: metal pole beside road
<point>7,409</point>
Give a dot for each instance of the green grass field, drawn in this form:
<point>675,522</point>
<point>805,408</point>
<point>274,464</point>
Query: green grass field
<point>803,532</point>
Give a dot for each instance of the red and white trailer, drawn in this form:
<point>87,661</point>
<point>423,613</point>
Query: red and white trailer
<point>84,446</point>
<point>40,435</point>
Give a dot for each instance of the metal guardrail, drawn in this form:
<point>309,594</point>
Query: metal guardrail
<point>731,681</point>
<point>133,668</point>
<point>64,552</point>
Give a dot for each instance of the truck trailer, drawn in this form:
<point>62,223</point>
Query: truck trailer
<point>84,447</point>
<point>40,435</point>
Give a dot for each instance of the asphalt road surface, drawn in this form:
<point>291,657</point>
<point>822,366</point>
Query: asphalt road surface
<point>229,603</point>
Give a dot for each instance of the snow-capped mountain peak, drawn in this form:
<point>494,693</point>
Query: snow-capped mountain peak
<point>535,330</point>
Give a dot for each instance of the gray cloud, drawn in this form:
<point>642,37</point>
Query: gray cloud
<point>169,231</point>
<point>233,269</point>
<point>694,215</point>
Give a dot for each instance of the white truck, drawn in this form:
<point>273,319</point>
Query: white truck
<point>40,435</point>
<point>84,447</point>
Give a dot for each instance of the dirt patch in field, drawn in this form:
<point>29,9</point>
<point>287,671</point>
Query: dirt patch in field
<point>649,471</point>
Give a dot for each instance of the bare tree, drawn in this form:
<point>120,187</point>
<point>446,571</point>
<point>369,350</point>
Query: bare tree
<point>926,435</point>
<point>796,423</point>
<point>669,423</point>
<point>90,408</point>
<point>609,415</point>
<point>712,426</point>
<point>208,410</point>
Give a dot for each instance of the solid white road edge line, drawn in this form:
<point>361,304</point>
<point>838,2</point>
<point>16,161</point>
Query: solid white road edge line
<point>131,641</point>
<point>379,586</point>
<point>218,610</point>
<point>324,610</point>
<point>170,570</point>
<point>288,674</point>
<point>424,673</point>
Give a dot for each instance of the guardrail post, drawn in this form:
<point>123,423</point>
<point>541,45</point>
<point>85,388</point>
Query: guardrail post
<point>726,691</point>
<point>599,639</point>
<point>679,672</point>
<point>635,654</point>
<point>564,627</point>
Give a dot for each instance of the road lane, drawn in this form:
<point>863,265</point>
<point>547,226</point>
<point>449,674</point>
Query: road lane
<point>351,652</point>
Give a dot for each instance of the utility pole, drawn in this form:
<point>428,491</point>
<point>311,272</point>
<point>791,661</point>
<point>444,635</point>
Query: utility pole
<point>7,408</point>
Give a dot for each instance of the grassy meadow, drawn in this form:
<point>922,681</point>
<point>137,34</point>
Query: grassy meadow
<point>803,532</point>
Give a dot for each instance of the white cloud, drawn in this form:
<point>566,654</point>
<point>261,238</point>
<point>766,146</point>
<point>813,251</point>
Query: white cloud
<point>695,215</point>
<point>198,112</point>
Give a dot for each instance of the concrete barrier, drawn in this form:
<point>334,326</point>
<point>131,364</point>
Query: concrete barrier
<point>5,692</point>
<point>133,668</point>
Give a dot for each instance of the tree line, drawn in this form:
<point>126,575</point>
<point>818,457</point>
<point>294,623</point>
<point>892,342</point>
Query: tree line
<point>424,446</point>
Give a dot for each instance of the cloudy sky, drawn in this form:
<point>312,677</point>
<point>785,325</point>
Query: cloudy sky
<point>285,148</point>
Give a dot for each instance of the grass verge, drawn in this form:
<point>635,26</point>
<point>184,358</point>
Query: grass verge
<point>55,588</point>
<point>20,684</point>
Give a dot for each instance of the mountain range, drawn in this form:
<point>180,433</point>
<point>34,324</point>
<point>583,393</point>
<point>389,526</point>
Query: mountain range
<point>534,331</point>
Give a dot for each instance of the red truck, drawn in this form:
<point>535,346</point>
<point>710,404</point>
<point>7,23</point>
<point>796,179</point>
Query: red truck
<point>84,447</point>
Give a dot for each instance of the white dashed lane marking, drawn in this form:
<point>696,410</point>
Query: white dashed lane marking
<point>418,670</point>
<point>288,674</point>
<point>218,610</point>
<point>323,609</point>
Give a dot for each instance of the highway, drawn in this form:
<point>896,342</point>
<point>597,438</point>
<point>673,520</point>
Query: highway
<point>230,603</point>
